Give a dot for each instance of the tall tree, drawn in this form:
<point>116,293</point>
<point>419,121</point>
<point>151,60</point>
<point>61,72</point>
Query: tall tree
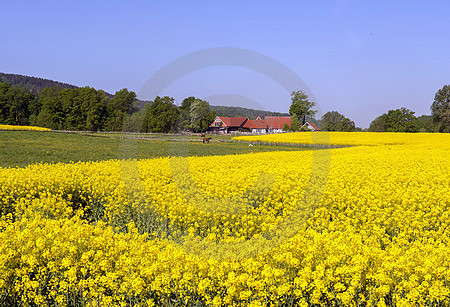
<point>301,106</point>
<point>118,108</point>
<point>184,122</point>
<point>94,107</point>
<point>401,120</point>
<point>4,102</point>
<point>123,100</point>
<point>49,109</point>
<point>201,115</point>
<point>161,116</point>
<point>440,109</point>
<point>14,104</point>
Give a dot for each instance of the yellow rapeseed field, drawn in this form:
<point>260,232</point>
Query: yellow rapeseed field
<point>26,128</point>
<point>366,225</point>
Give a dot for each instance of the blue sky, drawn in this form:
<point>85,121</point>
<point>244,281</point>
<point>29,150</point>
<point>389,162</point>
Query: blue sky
<point>360,58</point>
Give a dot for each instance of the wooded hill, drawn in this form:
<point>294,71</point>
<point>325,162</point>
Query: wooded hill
<point>33,84</point>
<point>36,84</point>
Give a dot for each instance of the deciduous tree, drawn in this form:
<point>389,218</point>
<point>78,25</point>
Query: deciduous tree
<point>295,123</point>
<point>334,121</point>
<point>301,106</point>
<point>399,120</point>
<point>440,109</point>
<point>200,115</point>
<point>161,116</point>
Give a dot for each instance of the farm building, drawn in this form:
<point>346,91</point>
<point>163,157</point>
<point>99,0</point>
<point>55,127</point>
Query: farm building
<point>311,126</point>
<point>256,126</point>
<point>268,124</point>
<point>223,124</point>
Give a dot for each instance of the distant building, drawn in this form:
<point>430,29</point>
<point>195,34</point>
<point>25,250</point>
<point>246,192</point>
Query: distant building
<point>223,124</point>
<point>268,124</point>
<point>276,123</point>
<point>256,126</point>
<point>311,126</point>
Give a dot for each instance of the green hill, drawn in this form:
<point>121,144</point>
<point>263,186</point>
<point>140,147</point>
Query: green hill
<point>33,84</point>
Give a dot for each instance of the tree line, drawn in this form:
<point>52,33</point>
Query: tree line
<point>398,120</point>
<point>88,109</point>
<point>404,120</point>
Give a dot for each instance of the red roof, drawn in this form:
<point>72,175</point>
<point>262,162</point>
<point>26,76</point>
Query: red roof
<point>277,122</point>
<point>313,125</point>
<point>256,124</point>
<point>232,121</point>
<point>269,122</point>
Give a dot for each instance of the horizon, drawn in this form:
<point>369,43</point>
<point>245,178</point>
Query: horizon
<point>360,59</point>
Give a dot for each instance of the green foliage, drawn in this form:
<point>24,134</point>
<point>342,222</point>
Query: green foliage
<point>48,108</point>
<point>425,124</point>
<point>334,121</point>
<point>33,84</point>
<point>346,125</point>
<point>119,108</point>
<point>123,100</point>
<point>195,115</point>
<point>296,125</point>
<point>184,122</point>
<point>135,121</point>
<point>440,109</point>
<point>14,104</point>
<point>379,124</point>
<point>83,109</point>
<point>201,115</point>
<point>301,106</point>
<point>399,120</point>
<point>161,116</point>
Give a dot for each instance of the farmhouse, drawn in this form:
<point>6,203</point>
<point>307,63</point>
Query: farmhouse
<point>260,125</point>
<point>223,124</point>
<point>311,126</point>
<point>256,126</point>
<point>268,124</point>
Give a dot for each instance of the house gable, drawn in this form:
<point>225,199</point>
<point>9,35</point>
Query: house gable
<point>228,122</point>
<point>311,126</point>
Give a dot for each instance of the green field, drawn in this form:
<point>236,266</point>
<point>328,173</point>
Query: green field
<point>21,148</point>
